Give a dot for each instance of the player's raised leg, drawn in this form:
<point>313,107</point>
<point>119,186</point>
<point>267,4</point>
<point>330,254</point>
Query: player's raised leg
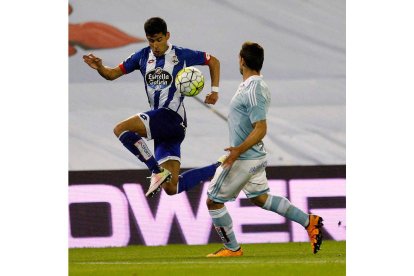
<point>130,133</point>
<point>194,177</point>
<point>283,207</point>
<point>169,186</point>
<point>189,179</point>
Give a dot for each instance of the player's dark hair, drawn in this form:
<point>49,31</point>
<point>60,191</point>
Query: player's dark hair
<point>155,25</point>
<point>253,55</point>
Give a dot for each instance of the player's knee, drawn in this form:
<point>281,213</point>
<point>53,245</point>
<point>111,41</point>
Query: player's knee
<point>171,187</point>
<point>259,200</point>
<point>170,191</point>
<point>118,129</point>
<point>255,202</point>
<point>211,205</point>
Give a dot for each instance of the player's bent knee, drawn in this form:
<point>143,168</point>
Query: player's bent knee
<point>256,202</point>
<point>211,205</point>
<point>118,129</point>
<point>170,188</point>
<point>259,200</point>
<point>170,191</point>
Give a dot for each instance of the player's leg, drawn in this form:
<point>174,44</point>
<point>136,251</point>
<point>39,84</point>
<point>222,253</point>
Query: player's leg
<point>189,179</point>
<point>194,177</point>
<point>256,191</point>
<point>223,224</point>
<point>225,186</point>
<point>133,123</point>
<point>282,206</point>
<point>170,186</point>
<point>130,133</point>
<point>167,128</point>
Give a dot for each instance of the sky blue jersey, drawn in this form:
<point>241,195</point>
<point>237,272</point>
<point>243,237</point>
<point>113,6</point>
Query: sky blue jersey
<point>159,74</point>
<point>249,105</point>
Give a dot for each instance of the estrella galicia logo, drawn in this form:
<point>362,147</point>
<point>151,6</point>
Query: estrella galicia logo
<point>158,78</point>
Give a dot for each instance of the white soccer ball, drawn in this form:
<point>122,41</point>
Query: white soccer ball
<point>189,81</point>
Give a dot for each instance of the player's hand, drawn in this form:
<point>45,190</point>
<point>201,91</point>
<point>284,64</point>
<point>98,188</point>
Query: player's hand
<point>93,61</point>
<point>233,155</point>
<point>211,98</point>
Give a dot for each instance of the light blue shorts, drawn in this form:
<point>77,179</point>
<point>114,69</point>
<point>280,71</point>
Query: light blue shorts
<point>246,175</point>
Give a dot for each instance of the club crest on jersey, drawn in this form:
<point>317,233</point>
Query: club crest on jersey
<point>175,59</point>
<point>158,78</point>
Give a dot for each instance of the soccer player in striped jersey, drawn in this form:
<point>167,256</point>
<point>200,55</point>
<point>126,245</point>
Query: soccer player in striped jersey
<point>244,168</point>
<point>166,122</point>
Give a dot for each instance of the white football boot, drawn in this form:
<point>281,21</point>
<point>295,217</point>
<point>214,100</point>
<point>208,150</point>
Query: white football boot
<point>156,181</point>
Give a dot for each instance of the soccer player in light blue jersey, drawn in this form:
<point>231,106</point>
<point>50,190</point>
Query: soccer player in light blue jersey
<point>244,168</point>
<point>166,122</point>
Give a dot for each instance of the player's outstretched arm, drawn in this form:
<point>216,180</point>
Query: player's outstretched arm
<point>214,66</point>
<point>106,72</point>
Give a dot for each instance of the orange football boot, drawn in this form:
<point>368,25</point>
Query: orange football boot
<point>314,232</point>
<point>224,252</point>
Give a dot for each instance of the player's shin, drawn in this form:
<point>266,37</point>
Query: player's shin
<point>224,227</point>
<point>136,145</point>
<point>283,207</point>
<point>194,177</point>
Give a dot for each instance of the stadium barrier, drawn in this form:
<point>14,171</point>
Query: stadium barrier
<point>109,208</point>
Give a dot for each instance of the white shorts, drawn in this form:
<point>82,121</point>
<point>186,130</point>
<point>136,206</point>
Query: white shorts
<point>246,175</point>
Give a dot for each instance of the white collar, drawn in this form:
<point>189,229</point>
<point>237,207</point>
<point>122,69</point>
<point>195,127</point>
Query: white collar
<point>250,79</point>
<point>169,48</point>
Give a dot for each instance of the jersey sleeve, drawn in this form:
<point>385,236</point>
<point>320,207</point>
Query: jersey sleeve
<point>257,103</point>
<point>193,57</point>
<point>132,63</point>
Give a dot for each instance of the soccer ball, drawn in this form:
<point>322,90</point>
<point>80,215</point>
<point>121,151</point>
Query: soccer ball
<point>189,81</point>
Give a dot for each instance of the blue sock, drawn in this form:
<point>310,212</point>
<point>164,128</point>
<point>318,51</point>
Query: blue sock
<point>136,145</point>
<point>283,207</point>
<point>194,177</point>
<point>224,227</point>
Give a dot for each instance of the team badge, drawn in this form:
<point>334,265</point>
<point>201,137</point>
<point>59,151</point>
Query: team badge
<point>175,59</point>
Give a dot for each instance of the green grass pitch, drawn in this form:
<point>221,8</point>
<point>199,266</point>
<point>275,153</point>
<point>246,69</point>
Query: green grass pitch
<point>264,259</point>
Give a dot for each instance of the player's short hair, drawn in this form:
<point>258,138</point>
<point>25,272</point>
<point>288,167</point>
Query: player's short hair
<point>155,25</point>
<point>253,55</point>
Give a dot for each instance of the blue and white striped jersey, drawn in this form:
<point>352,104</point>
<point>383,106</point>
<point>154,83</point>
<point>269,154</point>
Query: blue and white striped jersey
<point>159,74</point>
<point>249,105</point>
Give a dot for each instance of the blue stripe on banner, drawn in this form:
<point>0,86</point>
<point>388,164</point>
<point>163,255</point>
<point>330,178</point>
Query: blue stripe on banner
<point>157,93</point>
<point>173,89</point>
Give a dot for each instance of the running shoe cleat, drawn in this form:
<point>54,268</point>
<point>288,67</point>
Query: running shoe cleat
<point>224,252</point>
<point>155,192</point>
<point>157,179</point>
<point>314,232</point>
